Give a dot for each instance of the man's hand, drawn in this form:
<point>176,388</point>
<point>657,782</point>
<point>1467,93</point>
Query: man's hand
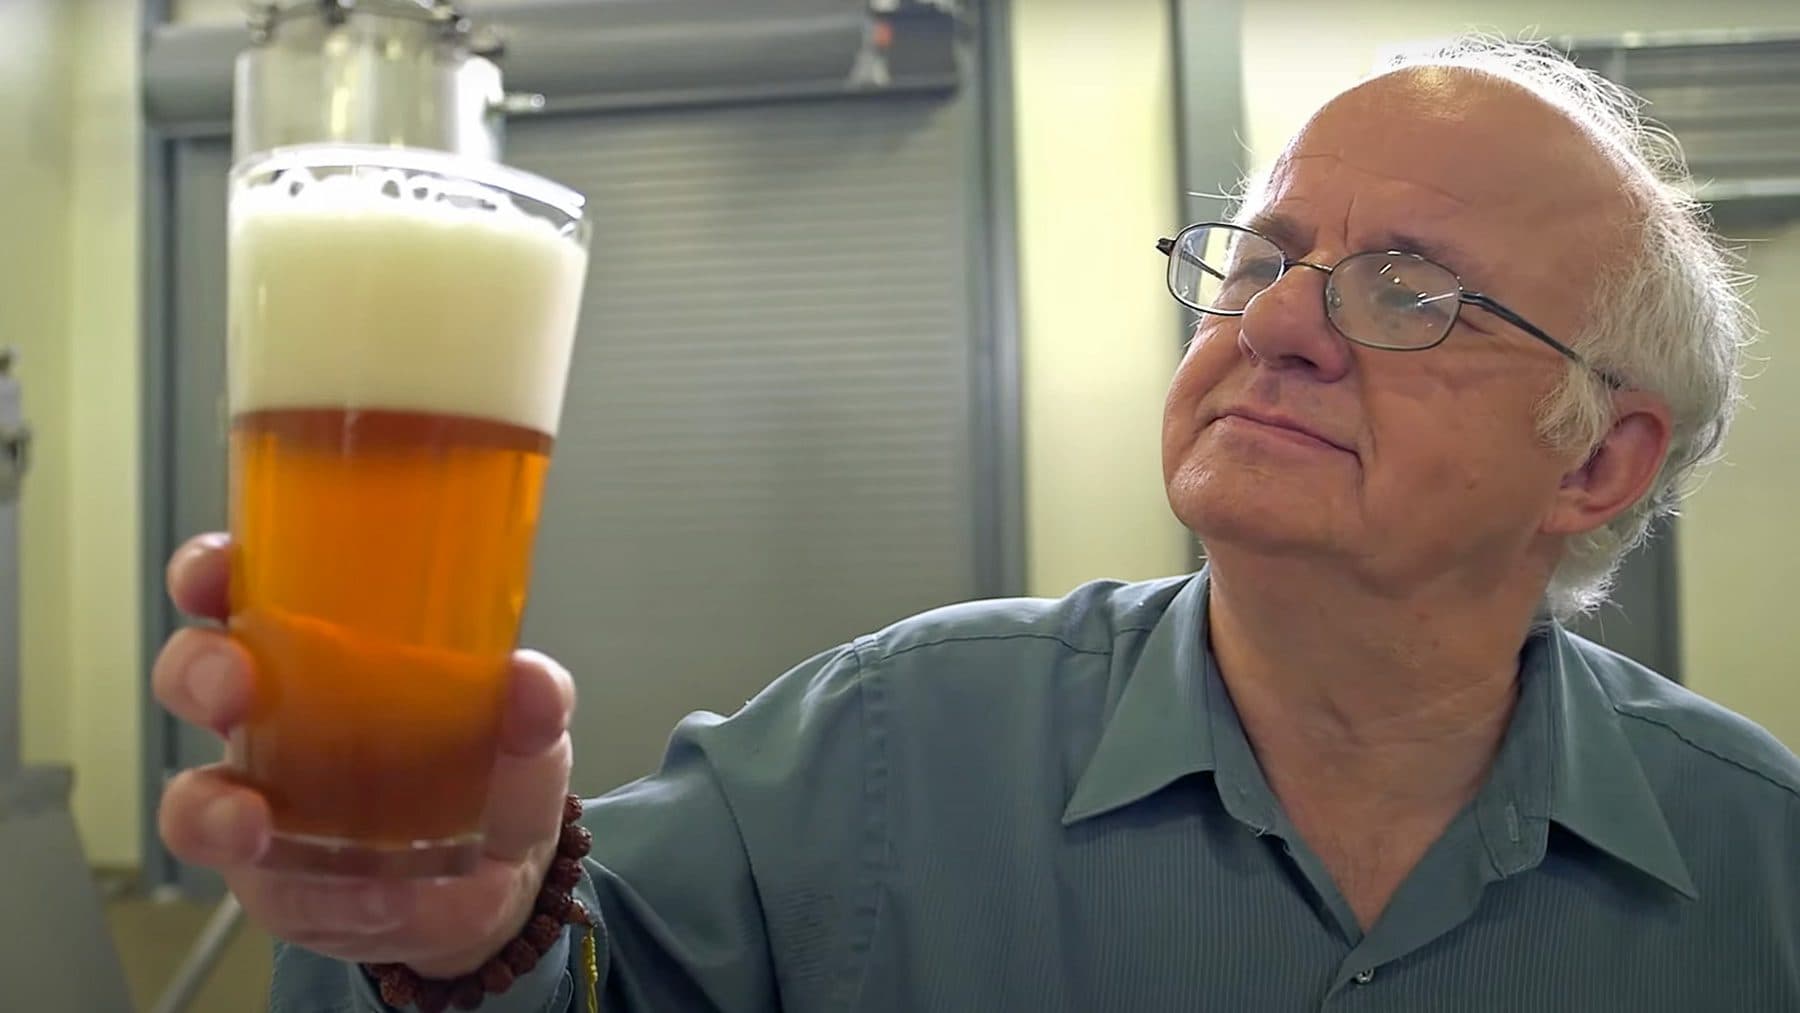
<point>440,928</point>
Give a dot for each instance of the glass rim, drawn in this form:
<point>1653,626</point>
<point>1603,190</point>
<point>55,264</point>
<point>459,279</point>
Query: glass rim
<point>483,172</point>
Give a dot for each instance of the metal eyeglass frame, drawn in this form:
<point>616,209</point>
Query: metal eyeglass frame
<point>1168,245</point>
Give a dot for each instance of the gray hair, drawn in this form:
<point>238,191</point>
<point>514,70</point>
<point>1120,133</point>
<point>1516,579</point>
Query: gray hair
<point>1669,318</point>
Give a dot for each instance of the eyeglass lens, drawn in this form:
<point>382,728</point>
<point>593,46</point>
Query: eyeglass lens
<point>1392,300</point>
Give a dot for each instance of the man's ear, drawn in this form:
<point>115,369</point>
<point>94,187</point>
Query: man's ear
<point>1618,472</point>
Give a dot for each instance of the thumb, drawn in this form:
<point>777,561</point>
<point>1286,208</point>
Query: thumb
<point>531,774</point>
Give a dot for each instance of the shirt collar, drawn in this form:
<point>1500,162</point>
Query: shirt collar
<point>1598,789</point>
<point>1565,757</point>
<point>1159,730</point>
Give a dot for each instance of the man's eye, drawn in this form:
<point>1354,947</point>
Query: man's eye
<point>1263,269</point>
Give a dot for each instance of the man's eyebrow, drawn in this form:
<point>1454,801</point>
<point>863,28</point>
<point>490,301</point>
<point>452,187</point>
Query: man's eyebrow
<point>1296,239</point>
<point>1444,252</point>
<point>1287,231</point>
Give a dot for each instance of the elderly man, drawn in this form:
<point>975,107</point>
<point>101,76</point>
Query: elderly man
<point>1460,346</point>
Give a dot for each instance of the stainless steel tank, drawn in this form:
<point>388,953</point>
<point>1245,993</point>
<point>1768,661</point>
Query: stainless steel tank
<point>412,73</point>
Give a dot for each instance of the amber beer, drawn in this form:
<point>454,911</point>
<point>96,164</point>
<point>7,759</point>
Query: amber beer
<point>400,330</point>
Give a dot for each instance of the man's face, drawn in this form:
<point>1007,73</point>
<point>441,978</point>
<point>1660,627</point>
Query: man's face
<point>1426,464</point>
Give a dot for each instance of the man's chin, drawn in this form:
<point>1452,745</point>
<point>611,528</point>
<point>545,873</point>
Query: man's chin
<point>1262,525</point>
<point>1261,541</point>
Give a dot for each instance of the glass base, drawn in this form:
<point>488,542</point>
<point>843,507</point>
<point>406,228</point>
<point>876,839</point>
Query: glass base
<point>334,856</point>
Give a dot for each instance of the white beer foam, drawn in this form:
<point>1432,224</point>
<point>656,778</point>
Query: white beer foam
<point>369,292</point>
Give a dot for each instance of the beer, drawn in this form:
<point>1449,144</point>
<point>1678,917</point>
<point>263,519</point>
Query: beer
<point>396,360</point>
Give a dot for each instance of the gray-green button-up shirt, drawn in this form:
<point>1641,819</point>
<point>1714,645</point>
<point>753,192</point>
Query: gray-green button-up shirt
<point>1051,807</point>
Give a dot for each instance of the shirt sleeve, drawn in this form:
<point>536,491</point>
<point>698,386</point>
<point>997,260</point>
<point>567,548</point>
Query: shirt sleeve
<point>738,878</point>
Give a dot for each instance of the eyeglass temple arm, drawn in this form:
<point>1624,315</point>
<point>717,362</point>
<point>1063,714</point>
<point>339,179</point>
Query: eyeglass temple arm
<point>1477,299</point>
<point>1167,248</point>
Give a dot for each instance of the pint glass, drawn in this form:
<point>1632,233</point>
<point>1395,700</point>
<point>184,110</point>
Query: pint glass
<point>400,326</point>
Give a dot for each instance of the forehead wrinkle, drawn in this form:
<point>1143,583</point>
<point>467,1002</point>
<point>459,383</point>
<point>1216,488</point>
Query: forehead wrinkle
<point>1295,234</point>
<point>1288,160</point>
<point>1412,215</point>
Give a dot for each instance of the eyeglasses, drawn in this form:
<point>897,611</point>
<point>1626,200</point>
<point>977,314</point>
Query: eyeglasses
<point>1381,299</point>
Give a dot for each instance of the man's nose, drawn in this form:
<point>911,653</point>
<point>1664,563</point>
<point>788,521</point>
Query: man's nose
<point>1285,326</point>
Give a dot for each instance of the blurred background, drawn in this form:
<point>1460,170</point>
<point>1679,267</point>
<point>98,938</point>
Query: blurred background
<point>875,323</point>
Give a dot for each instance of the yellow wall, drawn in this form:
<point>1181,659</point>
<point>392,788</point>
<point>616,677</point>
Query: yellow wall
<point>1738,540</point>
<point>1736,548</point>
<point>1095,148</point>
<point>206,10</point>
<point>34,203</point>
<point>68,288</point>
<point>105,666</point>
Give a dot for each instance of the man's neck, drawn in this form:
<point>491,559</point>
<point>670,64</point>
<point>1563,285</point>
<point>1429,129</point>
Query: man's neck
<point>1392,705</point>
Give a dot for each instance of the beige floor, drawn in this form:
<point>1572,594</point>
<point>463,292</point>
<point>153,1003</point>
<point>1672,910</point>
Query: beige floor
<point>154,936</point>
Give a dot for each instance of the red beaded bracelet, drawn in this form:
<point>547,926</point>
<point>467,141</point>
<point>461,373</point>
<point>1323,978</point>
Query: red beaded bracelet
<point>554,908</point>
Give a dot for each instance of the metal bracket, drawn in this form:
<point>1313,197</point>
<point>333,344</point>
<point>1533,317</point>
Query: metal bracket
<point>15,441</point>
<point>262,16</point>
<point>519,103</point>
<point>15,454</point>
<point>954,8</point>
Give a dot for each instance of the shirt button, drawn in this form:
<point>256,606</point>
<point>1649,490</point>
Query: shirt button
<point>1364,976</point>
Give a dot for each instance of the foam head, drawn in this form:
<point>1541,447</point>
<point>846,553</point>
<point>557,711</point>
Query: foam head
<point>400,285</point>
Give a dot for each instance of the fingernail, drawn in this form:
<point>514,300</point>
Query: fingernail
<point>199,545</point>
<point>221,822</point>
<point>185,556</point>
<point>209,678</point>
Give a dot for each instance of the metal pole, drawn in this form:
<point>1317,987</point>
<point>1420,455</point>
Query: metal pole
<point>200,960</point>
<point>13,442</point>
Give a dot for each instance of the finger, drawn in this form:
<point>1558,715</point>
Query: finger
<point>206,818</point>
<point>540,700</point>
<point>198,576</point>
<point>531,775</point>
<point>203,677</point>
